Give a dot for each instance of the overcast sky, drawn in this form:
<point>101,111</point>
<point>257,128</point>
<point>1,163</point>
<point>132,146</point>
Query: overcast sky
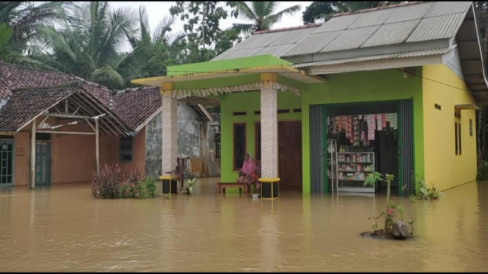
<point>158,10</point>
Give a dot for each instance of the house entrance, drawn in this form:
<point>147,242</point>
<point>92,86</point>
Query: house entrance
<point>43,163</point>
<point>290,155</point>
<point>357,139</point>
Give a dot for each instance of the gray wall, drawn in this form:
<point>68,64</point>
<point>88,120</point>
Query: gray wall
<point>196,140</point>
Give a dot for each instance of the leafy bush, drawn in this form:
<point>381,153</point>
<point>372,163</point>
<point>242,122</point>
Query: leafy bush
<point>427,192</point>
<point>106,183</point>
<point>112,182</point>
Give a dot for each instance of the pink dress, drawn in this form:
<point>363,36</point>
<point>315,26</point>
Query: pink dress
<point>249,167</point>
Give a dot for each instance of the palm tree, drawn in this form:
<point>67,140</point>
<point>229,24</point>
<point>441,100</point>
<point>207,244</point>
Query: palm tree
<point>88,41</point>
<point>25,18</point>
<point>261,13</point>
<point>21,23</point>
<point>151,54</point>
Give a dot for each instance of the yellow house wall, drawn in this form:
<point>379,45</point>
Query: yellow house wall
<point>443,167</point>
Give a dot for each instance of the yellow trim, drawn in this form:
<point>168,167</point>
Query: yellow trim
<point>269,180</point>
<point>269,77</point>
<point>167,86</point>
<point>167,177</point>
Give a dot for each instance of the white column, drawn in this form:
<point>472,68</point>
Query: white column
<point>33,155</point>
<point>269,130</point>
<point>169,131</point>
<point>97,147</point>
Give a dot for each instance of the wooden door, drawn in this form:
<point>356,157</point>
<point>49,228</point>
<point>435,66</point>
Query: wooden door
<point>43,163</point>
<point>290,155</point>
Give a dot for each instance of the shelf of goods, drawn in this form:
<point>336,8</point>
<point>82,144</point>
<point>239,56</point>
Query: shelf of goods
<point>353,168</point>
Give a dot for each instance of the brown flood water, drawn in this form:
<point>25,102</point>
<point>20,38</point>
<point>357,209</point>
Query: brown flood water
<point>63,228</point>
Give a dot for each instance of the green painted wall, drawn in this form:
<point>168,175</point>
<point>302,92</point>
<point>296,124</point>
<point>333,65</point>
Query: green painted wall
<point>369,86</point>
<point>248,102</point>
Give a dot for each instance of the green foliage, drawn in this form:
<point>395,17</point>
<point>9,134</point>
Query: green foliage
<point>261,13</point>
<point>393,212</point>
<point>425,192</point>
<point>325,9</point>
<point>112,182</point>
<point>106,184</point>
<point>204,39</point>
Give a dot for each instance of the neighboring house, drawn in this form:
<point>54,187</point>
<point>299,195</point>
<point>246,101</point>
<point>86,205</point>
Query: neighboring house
<point>66,112</point>
<point>392,89</point>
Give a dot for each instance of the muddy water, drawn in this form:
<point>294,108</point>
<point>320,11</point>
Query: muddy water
<point>62,228</point>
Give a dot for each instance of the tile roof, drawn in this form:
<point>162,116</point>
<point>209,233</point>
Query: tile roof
<point>19,77</point>
<point>135,106</point>
<point>26,104</point>
<point>132,106</point>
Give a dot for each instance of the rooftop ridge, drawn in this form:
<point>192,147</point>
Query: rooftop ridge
<point>23,67</point>
<point>377,8</point>
<point>288,29</point>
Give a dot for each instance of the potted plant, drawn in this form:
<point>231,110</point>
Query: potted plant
<point>394,227</point>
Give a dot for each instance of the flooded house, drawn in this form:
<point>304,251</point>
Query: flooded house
<point>57,128</point>
<point>392,89</point>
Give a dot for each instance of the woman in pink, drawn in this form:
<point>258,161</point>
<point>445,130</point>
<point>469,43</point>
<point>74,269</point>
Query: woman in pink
<point>247,174</point>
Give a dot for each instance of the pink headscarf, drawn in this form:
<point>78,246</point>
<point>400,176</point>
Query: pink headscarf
<point>249,166</point>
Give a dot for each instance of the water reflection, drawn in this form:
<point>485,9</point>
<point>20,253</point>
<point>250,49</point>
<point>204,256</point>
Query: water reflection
<point>63,228</point>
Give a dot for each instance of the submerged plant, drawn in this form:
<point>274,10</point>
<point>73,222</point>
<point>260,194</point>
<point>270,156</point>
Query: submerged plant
<point>393,214</point>
<point>190,182</point>
<point>428,192</point>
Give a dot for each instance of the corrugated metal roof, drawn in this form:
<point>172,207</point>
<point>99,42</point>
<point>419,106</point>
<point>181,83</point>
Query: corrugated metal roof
<point>395,33</point>
<point>440,8</point>
<point>402,31</point>
<point>371,19</point>
<point>387,26</point>
<point>313,43</point>
<point>338,23</point>
<point>406,13</point>
<point>275,43</point>
<point>438,27</point>
<point>350,39</point>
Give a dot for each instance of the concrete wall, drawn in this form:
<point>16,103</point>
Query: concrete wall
<point>195,141</point>
<point>443,168</point>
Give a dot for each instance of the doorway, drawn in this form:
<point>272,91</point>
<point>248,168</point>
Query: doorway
<point>43,163</point>
<point>290,155</point>
<point>382,130</point>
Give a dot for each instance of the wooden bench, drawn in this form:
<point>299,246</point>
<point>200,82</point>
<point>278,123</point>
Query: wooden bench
<point>243,187</point>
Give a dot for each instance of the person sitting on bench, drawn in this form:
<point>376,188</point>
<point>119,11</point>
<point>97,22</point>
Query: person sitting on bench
<point>248,174</point>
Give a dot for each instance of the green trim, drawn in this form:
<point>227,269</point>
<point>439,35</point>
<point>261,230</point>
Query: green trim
<point>399,155</point>
<point>228,64</point>
<point>324,146</point>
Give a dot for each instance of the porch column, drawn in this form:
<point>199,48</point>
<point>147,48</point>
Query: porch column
<point>97,149</point>
<point>169,129</point>
<point>269,126</point>
<point>33,156</point>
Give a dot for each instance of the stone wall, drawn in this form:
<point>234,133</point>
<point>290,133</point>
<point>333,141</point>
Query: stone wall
<point>196,141</point>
